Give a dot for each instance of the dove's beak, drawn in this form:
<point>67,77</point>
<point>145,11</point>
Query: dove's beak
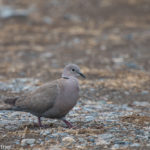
<point>81,74</point>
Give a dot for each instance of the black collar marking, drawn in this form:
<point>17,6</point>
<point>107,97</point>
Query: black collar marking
<point>65,77</point>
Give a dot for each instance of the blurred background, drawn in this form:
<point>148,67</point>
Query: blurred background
<point>37,36</point>
<point>108,39</point>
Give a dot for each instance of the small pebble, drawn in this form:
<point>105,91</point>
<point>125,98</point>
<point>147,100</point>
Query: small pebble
<point>68,140</point>
<point>135,145</point>
<point>44,133</point>
<point>101,141</point>
<point>92,140</point>
<point>145,92</point>
<point>115,146</point>
<point>25,142</point>
<point>143,104</point>
<point>89,118</point>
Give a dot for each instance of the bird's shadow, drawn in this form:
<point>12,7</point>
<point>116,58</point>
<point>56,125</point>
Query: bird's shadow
<point>37,127</point>
<point>77,125</point>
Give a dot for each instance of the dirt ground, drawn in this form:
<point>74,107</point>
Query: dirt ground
<point>108,39</point>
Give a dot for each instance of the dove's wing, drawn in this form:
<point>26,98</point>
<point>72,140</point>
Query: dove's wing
<point>39,100</point>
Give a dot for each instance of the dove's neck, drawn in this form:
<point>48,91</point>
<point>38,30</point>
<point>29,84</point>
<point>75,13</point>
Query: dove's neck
<point>68,77</point>
<point>65,76</point>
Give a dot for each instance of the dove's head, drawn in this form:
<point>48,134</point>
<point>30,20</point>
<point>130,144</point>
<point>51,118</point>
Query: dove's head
<point>72,70</point>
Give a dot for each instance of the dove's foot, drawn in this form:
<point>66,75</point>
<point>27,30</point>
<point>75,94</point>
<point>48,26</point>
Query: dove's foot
<point>69,125</point>
<point>39,122</point>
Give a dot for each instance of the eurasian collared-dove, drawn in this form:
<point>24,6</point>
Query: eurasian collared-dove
<point>51,100</point>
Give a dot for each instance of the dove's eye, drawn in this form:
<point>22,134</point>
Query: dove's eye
<point>73,69</point>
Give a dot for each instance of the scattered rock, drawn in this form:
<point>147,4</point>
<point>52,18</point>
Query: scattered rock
<point>47,20</point>
<point>101,141</point>
<point>72,17</point>
<point>17,142</point>
<point>145,92</point>
<point>104,139</point>
<point>46,55</point>
<point>45,133</point>
<point>115,146</point>
<point>118,60</point>
<point>68,140</point>
<point>54,148</point>
<point>19,84</point>
<point>135,145</point>
<point>129,36</point>
<point>133,66</point>
<point>8,12</point>
<point>58,135</point>
<point>103,47</point>
<point>143,104</point>
<point>25,142</point>
<point>92,140</point>
<point>89,118</point>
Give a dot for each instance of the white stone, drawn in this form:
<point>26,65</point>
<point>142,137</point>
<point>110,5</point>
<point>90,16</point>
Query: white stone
<point>69,140</point>
<point>25,142</point>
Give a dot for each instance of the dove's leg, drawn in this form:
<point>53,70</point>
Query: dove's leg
<point>39,122</point>
<point>69,125</point>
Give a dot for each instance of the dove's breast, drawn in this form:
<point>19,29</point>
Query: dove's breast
<point>70,91</point>
<point>66,100</point>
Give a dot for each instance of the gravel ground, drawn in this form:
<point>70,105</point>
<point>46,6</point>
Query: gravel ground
<point>109,40</point>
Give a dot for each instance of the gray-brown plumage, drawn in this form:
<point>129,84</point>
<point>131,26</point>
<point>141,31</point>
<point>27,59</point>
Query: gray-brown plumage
<point>52,100</point>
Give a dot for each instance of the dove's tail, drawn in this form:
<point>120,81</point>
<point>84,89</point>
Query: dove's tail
<point>8,103</point>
